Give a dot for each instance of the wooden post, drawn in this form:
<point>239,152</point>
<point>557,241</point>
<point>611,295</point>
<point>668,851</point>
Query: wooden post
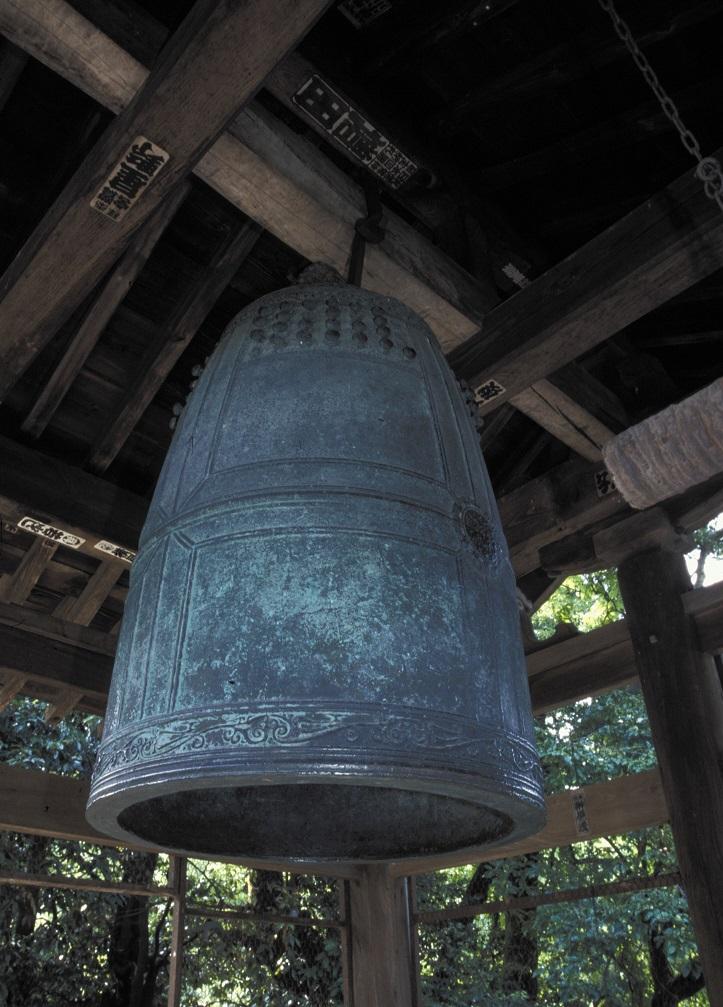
<point>379,927</point>
<point>178,883</point>
<point>685,705</point>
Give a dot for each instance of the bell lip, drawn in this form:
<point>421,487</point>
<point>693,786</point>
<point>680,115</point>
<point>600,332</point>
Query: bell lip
<point>526,810</point>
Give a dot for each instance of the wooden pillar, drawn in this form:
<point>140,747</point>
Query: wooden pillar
<point>685,705</point>
<point>379,930</point>
<point>178,883</point>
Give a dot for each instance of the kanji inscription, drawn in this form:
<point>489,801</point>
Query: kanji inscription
<point>140,164</point>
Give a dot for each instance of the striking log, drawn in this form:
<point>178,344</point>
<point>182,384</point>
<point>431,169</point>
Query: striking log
<point>670,452</point>
<point>685,705</point>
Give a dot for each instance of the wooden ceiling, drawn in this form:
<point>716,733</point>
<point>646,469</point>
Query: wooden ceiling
<point>529,132</point>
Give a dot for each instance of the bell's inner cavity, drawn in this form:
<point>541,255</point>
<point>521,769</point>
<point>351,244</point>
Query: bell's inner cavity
<point>314,822</point>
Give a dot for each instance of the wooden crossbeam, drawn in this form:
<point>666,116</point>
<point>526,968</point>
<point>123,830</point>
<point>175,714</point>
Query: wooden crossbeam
<point>175,337</point>
<point>113,291</point>
<point>46,804</point>
<point>12,64</point>
<point>602,809</point>
<point>658,250</point>
<point>17,586</point>
<point>667,244</point>
<point>266,170</point>
<point>83,608</point>
<point>142,156</point>
<point>563,417</point>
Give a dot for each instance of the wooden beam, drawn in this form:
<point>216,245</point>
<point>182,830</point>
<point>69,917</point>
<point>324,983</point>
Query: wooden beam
<point>17,586</point>
<point>602,809</point>
<point>47,804</point>
<point>94,511</point>
<point>12,685</point>
<point>563,417</point>
<point>569,497</point>
<point>83,608</point>
<point>174,338</point>
<point>380,939</point>
<point>113,291</point>
<point>142,156</point>
<point>669,243</point>
<point>684,700</point>
<point>269,172</point>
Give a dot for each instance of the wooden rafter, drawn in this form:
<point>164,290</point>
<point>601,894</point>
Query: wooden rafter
<point>658,250</point>
<point>110,295</point>
<point>231,47</point>
<point>174,338</point>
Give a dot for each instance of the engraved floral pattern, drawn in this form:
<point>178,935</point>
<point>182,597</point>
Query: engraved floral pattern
<point>369,729</point>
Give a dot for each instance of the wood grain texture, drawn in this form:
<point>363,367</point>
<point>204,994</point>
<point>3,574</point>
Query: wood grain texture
<point>563,417</point>
<point>683,696</point>
<point>380,939</point>
<point>17,586</point>
<point>113,291</point>
<point>209,68</point>
<point>87,604</point>
<point>173,340</point>
<point>271,173</point>
<point>659,249</point>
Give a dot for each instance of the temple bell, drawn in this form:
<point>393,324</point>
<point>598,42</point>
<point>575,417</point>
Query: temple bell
<point>320,657</point>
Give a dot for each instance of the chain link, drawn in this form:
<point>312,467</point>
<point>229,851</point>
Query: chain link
<point>709,170</point>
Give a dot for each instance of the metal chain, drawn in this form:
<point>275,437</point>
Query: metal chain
<point>709,169</point>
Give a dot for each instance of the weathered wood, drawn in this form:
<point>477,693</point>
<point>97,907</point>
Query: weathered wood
<point>273,175</point>
<point>17,586</point>
<point>648,529</point>
<point>670,242</point>
<point>178,876</point>
<point>83,608</point>
<point>173,340</point>
<point>36,485</point>
<point>563,417</point>
<point>684,700</point>
<point>47,804</point>
<point>603,809</point>
<point>380,939</point>
<point>62,665</point>
<point>111,294</point>
<point>567,498</point>
<point>621,887</point>
<point>231,48</point>
<point>49,626</point>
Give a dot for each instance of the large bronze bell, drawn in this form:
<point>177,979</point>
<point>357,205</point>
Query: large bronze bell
<point>320,656</point>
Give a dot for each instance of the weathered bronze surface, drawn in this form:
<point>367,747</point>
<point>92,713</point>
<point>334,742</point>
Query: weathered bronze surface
<point>320,656</point>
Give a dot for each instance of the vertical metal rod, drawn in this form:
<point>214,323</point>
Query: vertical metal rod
<point>177,878</point>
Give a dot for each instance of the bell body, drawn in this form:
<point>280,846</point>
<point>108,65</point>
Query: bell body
<point>320,655</point>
